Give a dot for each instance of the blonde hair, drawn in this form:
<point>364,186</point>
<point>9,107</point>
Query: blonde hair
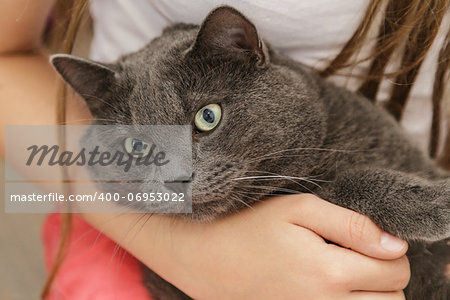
<point>407,26</point>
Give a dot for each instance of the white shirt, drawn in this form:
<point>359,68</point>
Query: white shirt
<point>312,32</point>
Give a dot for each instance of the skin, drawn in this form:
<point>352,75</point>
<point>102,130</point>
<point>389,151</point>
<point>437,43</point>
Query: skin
<point>207,261</point>
<point>210,261</point>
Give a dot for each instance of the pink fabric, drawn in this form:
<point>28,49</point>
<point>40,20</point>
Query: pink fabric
<point>93,268</point>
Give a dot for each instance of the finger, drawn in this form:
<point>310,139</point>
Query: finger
<point>344,227</point>
<point>360,295</point>
<point>358,272</point>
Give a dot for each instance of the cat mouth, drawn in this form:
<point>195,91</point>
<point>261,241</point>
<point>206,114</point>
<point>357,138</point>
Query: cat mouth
<point>181,179</point>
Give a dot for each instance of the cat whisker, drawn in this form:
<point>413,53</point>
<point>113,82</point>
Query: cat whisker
<point>148,215</point>
<point>267,187</point>
<point>123,210</point>
<point>243,191</point>
<point>122,240</point>
<point>84,120</point>
<point>99,99</point>
<point>252,199</point>
<point>275,176</point>
<point>310,177</point>
<point>241,201</point>
<point>124,252</point>
<point>301,149</point>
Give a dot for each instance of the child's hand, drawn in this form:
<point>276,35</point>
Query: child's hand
<point>272,252</point>
<point>275,251</point>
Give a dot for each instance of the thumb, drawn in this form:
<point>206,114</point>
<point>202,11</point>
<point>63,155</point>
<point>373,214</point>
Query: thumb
<point>345,227</point>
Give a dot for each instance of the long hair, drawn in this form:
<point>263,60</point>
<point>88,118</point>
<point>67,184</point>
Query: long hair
<point>411,27</point>
<point>407,27</point>
<point>68,16</point>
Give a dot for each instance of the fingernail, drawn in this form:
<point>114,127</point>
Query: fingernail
<point>391,243</point>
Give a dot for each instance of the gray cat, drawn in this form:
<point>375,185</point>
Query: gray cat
<point>258,115</point>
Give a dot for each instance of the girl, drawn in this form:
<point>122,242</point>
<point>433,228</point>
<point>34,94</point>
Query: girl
<point>393,50</point>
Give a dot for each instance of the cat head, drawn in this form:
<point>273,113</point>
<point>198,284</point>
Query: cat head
<point>252,116</point>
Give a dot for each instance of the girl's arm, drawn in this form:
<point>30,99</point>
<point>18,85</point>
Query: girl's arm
<point>27,83</point>
<point>273,251</point>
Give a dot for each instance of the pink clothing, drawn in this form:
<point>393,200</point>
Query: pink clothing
<point>94,268</point>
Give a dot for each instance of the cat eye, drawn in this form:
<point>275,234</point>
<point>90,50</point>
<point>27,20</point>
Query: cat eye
<point>136,147</point>
<point>208,117</point>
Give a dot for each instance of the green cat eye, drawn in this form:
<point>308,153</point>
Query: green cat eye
<point>136,147</point>
<point>208,117</point>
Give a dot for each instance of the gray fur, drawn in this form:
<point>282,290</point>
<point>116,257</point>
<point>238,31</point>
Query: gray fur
<point>278,118</point>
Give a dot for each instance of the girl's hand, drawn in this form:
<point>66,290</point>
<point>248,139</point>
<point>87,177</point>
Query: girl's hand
<point>275,251</point>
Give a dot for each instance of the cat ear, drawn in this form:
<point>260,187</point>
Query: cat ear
<point>226,29</point>
<point>91,80</point>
